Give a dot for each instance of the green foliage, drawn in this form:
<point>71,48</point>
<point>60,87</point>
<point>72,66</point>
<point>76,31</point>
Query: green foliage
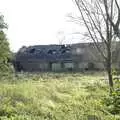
<point>112,101</point>
<point>4,48</point>
<point>115,72</point>
<point>54,96</point>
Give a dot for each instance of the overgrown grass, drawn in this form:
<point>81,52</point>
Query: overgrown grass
<point>54,96</point>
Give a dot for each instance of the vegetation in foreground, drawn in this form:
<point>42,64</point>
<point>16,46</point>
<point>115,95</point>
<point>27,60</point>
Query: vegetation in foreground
<point>55,96</point>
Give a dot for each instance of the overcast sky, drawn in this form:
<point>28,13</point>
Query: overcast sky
<point>34,22</point>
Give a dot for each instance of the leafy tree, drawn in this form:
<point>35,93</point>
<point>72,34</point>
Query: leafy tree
<point>4,47</point>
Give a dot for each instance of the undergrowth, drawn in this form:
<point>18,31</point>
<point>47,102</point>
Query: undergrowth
<point>54,96</point>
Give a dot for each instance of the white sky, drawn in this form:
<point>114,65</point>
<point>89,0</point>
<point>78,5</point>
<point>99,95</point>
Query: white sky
<point>34,22</point>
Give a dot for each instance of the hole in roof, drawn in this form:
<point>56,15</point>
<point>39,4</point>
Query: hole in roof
<point>65,51</point>
<point>62,46</point>
<point>52,52</point>
<point>32,50</point>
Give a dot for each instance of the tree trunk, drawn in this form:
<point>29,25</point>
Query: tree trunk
<point>109,68</point>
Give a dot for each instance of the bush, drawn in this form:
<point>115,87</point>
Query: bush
<point>112,101</point>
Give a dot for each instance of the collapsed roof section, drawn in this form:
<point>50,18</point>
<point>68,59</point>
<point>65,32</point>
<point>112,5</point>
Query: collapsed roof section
<point>45,53</point>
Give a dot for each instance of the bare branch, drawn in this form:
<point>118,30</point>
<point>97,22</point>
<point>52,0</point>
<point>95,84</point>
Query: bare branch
<point>94,38</point>
<point>118,20</point>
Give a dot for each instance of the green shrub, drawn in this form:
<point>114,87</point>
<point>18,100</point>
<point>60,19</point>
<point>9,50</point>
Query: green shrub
<point>5,53</point>
<point>112,101</point>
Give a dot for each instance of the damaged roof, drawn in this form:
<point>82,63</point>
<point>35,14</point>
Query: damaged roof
<point>45,53</point>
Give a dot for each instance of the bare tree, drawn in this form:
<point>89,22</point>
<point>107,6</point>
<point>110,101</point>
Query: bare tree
<point>102,20</point>
<point>114,15</point>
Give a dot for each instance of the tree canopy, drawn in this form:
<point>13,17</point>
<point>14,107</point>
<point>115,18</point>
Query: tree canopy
<point>4,47</point>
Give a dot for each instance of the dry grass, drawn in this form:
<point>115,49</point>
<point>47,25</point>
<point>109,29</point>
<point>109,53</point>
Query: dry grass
<point>54,96</point>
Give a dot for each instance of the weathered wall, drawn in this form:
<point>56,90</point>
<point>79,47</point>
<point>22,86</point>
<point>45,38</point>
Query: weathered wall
<point>83,65</point>
<point>99,65</point>
<point>56,67</point>
<point>68,65</point>
<point>35,66</point>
